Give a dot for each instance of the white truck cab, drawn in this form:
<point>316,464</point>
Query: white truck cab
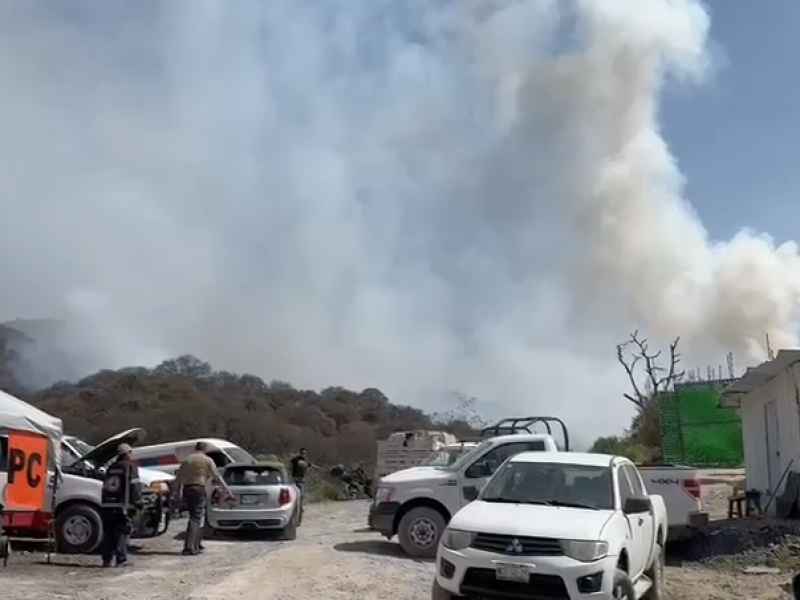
<point>556,525</point>
<point>416,504</point>
<point>78,525</point>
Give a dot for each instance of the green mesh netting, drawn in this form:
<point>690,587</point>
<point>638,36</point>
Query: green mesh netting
<point>695,430</point>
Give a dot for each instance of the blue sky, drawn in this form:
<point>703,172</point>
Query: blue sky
<point>737,137</point>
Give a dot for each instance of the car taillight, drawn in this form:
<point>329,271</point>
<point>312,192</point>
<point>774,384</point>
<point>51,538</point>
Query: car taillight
<point>692,487</point>
<point>216,497</point>
<point>284,497</point>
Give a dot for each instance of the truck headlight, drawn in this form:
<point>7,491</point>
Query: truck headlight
<point>457,539</point>
<point>585,550</point>
<point>383,494</point>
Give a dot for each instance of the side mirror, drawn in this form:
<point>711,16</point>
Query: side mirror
<point>471,493</point>
<point>637,505</point>
<point>477,470</point>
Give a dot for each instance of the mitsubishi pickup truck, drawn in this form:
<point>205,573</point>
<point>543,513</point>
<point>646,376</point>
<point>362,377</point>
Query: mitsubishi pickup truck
<point>556,525</point>
<point>416,504</point>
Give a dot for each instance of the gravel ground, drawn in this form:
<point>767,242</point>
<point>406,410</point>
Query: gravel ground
<point>333,558</point>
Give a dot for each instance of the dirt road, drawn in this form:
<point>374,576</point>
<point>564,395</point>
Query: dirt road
<point>333,558</point>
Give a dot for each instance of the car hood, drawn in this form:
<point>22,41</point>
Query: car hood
<point>532,520</point>
<point>150,476</point>
<point>107,450</point>
<point>417,474</point>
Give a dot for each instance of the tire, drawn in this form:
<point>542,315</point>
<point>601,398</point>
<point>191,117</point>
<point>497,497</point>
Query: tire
<point>420,530</point>
<point>439,593</point>
<point>209,533</point>
<point>79,529</point>
<point>656,574</point>
<point>623,587</point>
<point>290,531</point>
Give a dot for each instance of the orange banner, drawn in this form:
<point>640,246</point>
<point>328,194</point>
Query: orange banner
<point>27,471</point>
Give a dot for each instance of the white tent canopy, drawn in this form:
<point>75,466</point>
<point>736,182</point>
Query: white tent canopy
<point>16,415</point>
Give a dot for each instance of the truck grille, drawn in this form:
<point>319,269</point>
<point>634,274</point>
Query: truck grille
<point>482,583</point>
<point>505,544</point>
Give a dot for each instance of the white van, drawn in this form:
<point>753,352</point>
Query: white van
<point>168,457</point>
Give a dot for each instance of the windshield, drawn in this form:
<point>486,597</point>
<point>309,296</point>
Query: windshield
<point>554,484</point>
<point>443,457</point>
<point>239,456</point>
<point>467,458</point>
<point>255,475</point>
<point>72,449</point>
<point>81,446</point>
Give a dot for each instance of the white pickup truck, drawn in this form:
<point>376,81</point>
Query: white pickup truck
<point>78,523</point>
<point>416,504</point>
<point>556,525</point>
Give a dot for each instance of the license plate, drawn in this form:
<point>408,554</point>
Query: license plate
<point>250,499</point>
<point>510,572</point>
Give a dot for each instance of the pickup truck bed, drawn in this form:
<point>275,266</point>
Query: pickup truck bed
<point>681,488</point>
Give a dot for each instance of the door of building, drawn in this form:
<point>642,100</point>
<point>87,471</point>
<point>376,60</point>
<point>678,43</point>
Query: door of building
<point>773,441</point>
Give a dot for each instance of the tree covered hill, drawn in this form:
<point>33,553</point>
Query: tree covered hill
<point>185,398</point>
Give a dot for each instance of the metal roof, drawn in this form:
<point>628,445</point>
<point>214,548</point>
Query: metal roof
<point>757,377</point>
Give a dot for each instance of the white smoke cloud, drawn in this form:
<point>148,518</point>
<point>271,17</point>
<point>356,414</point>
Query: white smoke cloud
<point>418,196</point>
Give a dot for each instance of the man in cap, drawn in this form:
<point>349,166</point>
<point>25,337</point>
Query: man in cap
<point>121,497</point>
<point>193,478</point>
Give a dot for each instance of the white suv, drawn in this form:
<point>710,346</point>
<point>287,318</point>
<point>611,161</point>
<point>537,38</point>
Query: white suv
<point>556,525</point>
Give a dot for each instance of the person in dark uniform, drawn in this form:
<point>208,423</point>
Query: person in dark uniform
<point>300,465</point>
<point>122,497</point>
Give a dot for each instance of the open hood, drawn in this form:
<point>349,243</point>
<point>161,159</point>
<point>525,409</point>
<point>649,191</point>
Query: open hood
<point>106,451</point>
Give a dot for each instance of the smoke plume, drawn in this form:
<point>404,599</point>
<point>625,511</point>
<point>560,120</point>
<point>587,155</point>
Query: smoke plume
<point>417,195</point>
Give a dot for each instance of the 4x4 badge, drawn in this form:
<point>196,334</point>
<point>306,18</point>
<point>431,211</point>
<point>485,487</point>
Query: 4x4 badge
<point>515,547</point>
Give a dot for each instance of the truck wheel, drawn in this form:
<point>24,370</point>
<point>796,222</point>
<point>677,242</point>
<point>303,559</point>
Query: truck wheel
<point>656,574</point>
<point>420,530</point>
<point>79,529</point>
<point>623,587</point>
<point>439,593</point>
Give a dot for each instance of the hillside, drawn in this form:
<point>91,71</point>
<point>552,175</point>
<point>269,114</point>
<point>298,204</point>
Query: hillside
<point>186,397</point>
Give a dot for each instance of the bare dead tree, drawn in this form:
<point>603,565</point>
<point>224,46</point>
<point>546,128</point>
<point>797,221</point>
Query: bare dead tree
<point>635,356</point>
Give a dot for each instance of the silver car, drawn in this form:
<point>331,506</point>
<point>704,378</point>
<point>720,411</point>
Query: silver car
<point>264,499</point>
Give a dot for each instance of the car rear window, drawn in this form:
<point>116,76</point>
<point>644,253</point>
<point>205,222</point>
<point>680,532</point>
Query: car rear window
<point>252,475</point>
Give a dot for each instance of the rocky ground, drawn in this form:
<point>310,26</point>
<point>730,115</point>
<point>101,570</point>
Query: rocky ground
<point>333,558</point>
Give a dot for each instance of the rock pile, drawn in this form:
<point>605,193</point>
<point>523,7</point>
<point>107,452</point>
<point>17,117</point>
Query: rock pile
<point>754,543</point>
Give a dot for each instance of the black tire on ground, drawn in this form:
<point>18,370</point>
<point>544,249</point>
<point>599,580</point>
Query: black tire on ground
<point>656,575</point>
<point>79,529</point>
<point>209,533</point>
<point>439,593</point>
<point>420,530</point>
<point>290,531</point>
<point>623,586</point>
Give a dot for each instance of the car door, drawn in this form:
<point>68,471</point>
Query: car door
<point>645,521</point>
<point>478,473</point>
<point>635,524</point>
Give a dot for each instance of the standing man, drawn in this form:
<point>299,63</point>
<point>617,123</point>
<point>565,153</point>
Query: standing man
<point>300,465</point>
<point>121,497</point>
<point>193,478</point>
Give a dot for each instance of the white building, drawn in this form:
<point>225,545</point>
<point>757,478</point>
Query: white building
<point>768,399</point>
